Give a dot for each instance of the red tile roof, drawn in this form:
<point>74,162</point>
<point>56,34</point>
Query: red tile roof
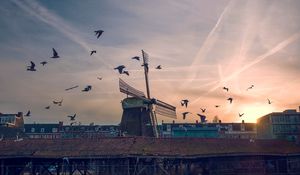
<point>131,146</point>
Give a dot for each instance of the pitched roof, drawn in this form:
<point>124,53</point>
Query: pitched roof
<point>140,146</point>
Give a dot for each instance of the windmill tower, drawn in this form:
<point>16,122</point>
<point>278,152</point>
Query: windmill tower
<point>139,111</point>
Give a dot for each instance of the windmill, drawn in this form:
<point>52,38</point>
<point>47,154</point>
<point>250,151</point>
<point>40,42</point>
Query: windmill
<point>139,110</point>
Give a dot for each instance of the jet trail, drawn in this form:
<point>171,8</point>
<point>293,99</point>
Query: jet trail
<point>209,41</point>
<point>258,59</point>
<point>34,8</point>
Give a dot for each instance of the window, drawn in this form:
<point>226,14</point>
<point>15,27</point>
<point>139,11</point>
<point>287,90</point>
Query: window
<point>32,130</point>
<point>54,130</point>
<point>168,127</point>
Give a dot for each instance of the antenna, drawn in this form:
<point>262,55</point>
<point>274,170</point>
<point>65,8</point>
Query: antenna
<point>146,70</point>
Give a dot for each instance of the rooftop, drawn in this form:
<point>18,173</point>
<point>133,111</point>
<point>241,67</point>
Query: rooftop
<point>141,146</point>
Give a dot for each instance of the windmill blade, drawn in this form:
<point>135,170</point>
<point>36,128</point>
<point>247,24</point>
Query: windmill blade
<point>127,89</point>
<point>165,109</point>
<point>145,57</point>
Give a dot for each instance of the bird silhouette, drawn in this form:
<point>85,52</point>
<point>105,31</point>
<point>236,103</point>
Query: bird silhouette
<point>99,78</point>
<point>269,101</point>
<point>184,114</point>
<point>217,106</point>
<point>98,33</point>
<point>55,54</point>
<point>28,114</point>
<point>72,117</point>
<point>92,52</point>
<point>47,107</point>
<point>31,67</point>
<point>230,100</point>
<point>158,67</point>
<point>240,115</point>
<point>126,72</point>
<point>120,68</point>
<point>202,118</point>
<point>73,87</point>
<point>43,63</point>
<point>251,87</point>
<point>87,88</point>
<point>59,103</point>
<point>136,58</point>
<point>203,110</point>
<point>184,102</point>
<point>226,89</point>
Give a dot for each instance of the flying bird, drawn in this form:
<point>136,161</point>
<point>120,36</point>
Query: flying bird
<point>47,107</point>
<point>55,54</point>
<point>241,114</point>
<point>72,117</point>
<point>120,68</point>
<point>158,67</point>
<point>217,106</point>
<point>59,103</point>
<point>136,58</point>
<point>184,102</point>
<point>87,88</point>
<point>202,118</point>
<point>98,33</point>
<point>72,88</point>
<point>28,114</point>
<point>99,78</point>
<point>31,67</point>
<point>184,114</point>
<point>269,101</point>
<point>43,63</point>
<point>226,89</point>
<point>92,52</point>
<point>203,110</point>
<point>251,87</point>
<point>230,100</point>
<point>126,72</point>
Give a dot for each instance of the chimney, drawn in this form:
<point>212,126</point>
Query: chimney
<point>20,114</point>
<point>60,125</point>
<point>220,121</point>
<point>173,122</point>
<point>243,121</point>
<point>197,122</point>
<point>162,121</point>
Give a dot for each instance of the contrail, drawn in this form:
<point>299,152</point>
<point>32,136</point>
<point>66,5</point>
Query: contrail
<point>258,59</point>
<point>208,42</point>
<point>34,8</point>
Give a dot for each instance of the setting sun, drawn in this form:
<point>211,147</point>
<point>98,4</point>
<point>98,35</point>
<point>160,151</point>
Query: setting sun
<point>255,110</point>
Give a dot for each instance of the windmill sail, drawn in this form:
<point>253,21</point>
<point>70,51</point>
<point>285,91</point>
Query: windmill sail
<point>127,89</point>
<point>165,109</point>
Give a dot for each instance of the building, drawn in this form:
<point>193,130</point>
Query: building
<point>279,125</point>
<point>12,120</point>
<point>90,131</point>
<point>44,131</point>
<point>11,126</point>
<point>149,156</point>
<point>209,130</point>
<point>58,130</point>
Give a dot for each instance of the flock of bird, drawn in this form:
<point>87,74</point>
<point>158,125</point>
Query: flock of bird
<point>121,70</point>
<point>185,102</point>
<point>55,55</point>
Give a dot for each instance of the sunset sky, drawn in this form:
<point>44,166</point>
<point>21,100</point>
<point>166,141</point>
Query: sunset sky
<point>202,45</point>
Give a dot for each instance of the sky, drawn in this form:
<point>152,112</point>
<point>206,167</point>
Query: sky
<point>202,46</point>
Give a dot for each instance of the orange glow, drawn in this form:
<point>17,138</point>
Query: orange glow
<point>254,111</point>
